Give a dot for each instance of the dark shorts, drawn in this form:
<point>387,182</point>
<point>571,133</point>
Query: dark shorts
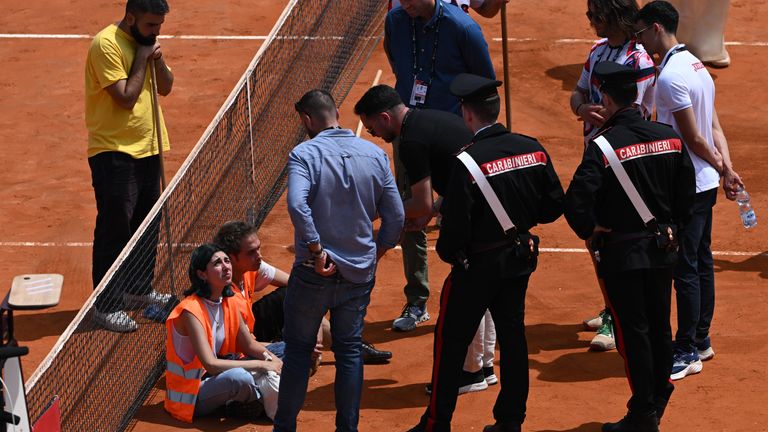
<point>268,312</point>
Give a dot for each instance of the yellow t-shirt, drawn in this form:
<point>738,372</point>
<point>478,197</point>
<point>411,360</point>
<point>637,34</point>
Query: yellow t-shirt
<point>111,127</point>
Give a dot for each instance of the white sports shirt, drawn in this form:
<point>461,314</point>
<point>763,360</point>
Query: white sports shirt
<point>683,83</point>
<point>630,54</point>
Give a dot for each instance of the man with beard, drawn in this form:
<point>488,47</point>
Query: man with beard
<point>123,151</point>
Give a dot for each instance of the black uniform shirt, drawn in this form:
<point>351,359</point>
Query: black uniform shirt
<point>429,142</point>
<point>520,172</point>
<point>656,162</point>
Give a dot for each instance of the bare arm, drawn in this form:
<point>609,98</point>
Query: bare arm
<point>248,344</point>
<point>420,203</point>
<point>194,329</point>
<point>126,92</point>
<point>686,122</point>
<point>164,75</point>
<point>731,180</point>
<point>280,279</point>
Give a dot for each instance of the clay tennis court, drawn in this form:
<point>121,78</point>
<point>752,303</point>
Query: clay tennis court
<point>48,212</point>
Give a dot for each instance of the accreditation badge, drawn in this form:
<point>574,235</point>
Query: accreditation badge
<point>419,92</point>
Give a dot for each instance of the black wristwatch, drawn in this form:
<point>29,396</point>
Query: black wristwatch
<point>319,253</point>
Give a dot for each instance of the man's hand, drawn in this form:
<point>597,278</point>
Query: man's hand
<point>145,52</point>
<point>324,266</point>
<point>592,114</point>
<point>731,183</point>
<point>417,224</point>
<point>275,365</point>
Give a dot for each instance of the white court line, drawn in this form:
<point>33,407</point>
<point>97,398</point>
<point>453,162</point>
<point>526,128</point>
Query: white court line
<point>185,37</point>
<point>262,37</point>
<point>431,248</point>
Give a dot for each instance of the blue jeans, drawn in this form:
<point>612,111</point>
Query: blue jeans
<point>309,297</point>
<point>233,385</point>
<point>695,276</point>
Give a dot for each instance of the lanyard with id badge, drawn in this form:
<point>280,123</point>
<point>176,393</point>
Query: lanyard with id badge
<point>420,87</point>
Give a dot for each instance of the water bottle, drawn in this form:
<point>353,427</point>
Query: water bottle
<point>747,213</point>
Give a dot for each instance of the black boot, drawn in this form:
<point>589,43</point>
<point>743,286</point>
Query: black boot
<point>373,356</point>
<point>634,423</point>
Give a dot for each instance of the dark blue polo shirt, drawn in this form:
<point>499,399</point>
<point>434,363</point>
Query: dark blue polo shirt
<point>460,48</point>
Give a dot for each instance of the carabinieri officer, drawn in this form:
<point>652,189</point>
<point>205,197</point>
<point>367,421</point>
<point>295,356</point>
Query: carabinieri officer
<point>491,264</point>
<point>636,254</point>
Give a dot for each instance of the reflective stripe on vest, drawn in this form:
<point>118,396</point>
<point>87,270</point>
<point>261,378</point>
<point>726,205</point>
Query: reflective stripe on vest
<point>177,369</point>
<point>184,398</point>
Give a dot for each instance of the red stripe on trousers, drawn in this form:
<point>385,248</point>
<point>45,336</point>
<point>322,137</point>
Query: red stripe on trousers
<point>438,349</point>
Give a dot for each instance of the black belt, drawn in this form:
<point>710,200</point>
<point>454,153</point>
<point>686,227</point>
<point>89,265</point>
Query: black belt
<point>479,247</point>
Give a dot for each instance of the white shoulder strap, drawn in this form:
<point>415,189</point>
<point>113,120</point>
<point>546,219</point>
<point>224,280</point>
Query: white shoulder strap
<point>487,190</point>
<point>626,183</point>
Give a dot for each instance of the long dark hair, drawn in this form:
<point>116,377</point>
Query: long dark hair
<point>618,14</point>
<point>199,261</point>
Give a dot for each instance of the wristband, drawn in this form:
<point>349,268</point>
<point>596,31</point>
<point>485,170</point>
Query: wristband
<point>319,253</point>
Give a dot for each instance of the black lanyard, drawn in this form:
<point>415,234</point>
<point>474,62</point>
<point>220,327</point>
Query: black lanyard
<point>434,44</point>
<point>674,51</point>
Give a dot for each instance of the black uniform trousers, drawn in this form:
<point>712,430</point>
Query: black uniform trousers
<point>640,302</point>
<point>465,297</point>
<point>126,189</point>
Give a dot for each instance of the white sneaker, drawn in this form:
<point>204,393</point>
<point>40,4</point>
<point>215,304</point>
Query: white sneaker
<point>116,321</point>
<point>151,298</point>
<point>594,323</point>
<point>604,340</point>
<point>706,354</point>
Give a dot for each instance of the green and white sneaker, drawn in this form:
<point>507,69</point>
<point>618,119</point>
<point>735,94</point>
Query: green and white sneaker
<point>604,339</point>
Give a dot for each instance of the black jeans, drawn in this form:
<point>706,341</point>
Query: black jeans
<point>465,297</point>
<point>640,302</point>
<point>695,276</point>
<point>125,189</point>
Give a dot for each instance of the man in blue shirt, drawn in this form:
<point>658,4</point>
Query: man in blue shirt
<point>428,43</point>
<point>337,185</point>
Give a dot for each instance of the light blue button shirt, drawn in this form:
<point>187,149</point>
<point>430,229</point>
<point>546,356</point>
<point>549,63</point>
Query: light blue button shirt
<point>337,185</point>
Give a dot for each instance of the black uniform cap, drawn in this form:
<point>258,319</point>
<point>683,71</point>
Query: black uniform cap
<point>608,72</point>
<point>470,87</point>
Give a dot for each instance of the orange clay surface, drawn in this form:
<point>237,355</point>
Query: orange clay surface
<point>46,197</point>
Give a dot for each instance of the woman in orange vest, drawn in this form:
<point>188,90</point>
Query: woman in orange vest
<point>206,336</point>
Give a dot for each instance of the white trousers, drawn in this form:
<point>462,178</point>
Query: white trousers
<point>482,350</point>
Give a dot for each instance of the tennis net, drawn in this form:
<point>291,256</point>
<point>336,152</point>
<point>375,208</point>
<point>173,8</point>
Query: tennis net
<point>236,171</point>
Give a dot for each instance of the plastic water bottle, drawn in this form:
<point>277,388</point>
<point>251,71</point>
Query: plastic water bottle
<point>747,213</point>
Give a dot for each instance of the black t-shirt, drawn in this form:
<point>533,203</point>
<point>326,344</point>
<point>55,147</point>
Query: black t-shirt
<point>429,142</point>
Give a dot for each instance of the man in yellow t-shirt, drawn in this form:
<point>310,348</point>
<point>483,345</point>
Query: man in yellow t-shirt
<point>123,150</point>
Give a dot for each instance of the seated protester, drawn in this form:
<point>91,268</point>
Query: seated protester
<point>210,352</point>
<point>251,274</point>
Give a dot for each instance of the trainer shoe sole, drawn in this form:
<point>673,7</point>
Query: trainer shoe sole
<point>692,369</point>
<point>403,328</point>
<point>474,387</point>
<point>490,375</point>
<point>592,324</point>
<point>602,343</point>
<point>706,354</point>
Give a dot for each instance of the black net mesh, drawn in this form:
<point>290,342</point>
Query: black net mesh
<point>235,172</point>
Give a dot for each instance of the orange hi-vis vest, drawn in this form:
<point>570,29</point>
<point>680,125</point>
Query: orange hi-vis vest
<point>182,381</point>
<point>242,299</point>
